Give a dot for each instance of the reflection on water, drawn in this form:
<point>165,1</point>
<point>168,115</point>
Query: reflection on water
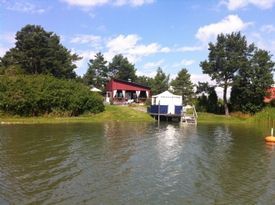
<point>135,163</point>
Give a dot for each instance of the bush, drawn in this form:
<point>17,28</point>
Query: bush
<point>272,103</point>
<point>39,95</point>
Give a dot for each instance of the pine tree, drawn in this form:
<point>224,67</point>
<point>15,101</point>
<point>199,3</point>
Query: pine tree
<point>97,73</point>
<point>122,69</point>
<point>37,51</point>
<point>225,58</point>
<point>160,82</point>
<point>183,86</point>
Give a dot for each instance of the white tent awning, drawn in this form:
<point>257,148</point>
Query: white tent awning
<point>95,90</point>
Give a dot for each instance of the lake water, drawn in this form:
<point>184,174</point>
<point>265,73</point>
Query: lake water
<point>136,163</point>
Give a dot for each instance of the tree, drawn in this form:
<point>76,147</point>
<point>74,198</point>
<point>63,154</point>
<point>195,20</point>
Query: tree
<point>212,102</point>
<point>252,82</point>
<point>225,58</point>
<point>208,101</point>
<point>144,80</point>
<point>183,86</point>
<point>39,52</point>
<point>122,69</point>
<point>160,82</point>
<point>97,73</point>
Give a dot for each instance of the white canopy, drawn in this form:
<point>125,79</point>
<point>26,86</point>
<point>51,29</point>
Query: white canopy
<point>166,94</point>
<point>167,98</point>
<point>95,90</point>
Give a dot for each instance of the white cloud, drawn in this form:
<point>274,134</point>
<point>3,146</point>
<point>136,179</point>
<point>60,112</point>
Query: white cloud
<point>133,2</point>
<point>82,64</point>
<point>83,39</point>
<point>195,78</point>
<point>189,48</point>
<point>7,41</point>
<point>268,28</point>
<point>22,6</point>
<point>155,64</point>
<point>93,3</point>
<point>229,24</point>
<point>238,4</point>
<point>148,74</point>
<point>262,42</point>
<point>128,45</point>
<point>183,63</point>
<point>3,50</point>
<point>165,50</point>
<point>8,38</point>
<point>86,3</point>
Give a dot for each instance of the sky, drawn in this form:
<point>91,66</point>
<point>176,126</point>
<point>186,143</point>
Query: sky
<point>171,34</point>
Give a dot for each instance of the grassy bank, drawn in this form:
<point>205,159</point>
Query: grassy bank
<point>132,114</point>
<point>213,118</point>
<point>266,115</point>
<point>111,113</point>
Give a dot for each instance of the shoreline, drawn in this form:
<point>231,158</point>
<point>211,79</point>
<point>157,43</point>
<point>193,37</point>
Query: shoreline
<point>111,114</point>
<point>132,114</point>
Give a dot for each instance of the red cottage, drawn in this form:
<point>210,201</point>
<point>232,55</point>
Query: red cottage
<point>123,92</point>
<point>271,95</point>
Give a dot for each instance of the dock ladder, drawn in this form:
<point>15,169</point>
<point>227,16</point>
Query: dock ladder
<point>189,118</point>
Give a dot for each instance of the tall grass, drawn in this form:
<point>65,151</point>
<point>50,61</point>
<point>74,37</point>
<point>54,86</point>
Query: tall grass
<point>266,115</point>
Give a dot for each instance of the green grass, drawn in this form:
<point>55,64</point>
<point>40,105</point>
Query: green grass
<point>267,114</point>
<point>111,113</point>
<point>213,118</point>
<point>130,114</point>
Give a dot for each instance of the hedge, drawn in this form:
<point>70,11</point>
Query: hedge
<point>37,95</point>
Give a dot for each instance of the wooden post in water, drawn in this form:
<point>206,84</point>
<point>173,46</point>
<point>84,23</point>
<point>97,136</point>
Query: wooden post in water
<point>272,128</point>
<point>158,112</point>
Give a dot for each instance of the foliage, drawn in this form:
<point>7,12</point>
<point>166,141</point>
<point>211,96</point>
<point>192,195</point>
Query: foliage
<point>144,80</point>
<point>37,51</point>
<point>265,115</point>
<point>97,73</point>
<point>207,103</point>
<point>201,103</point>
<point>39,95</point>
<point>252,82</point>
<point>183,86</point>
<point>122,69</point>
<point>225,57</point>
<point>160,82</point>
<point>214,118</point>
<point>272,103</point>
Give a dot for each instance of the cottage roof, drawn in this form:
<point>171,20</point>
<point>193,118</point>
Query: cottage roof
<point>131,83</point>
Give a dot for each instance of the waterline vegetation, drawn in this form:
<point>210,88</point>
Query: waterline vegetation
<point>115,113</point>
<point>112,113</point>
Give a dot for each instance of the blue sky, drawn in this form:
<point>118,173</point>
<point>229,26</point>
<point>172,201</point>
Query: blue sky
<point>171,34</point>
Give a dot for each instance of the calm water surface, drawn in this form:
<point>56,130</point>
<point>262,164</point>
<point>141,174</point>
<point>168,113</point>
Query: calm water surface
<point>136,163</point>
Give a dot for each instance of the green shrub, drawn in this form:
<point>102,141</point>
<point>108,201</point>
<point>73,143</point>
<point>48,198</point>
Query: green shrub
<point>272,103</point>
<point>39,95</point>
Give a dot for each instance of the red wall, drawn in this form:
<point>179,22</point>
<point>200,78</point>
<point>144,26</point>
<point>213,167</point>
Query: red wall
<point>116,85</point>
<point>271,95</point>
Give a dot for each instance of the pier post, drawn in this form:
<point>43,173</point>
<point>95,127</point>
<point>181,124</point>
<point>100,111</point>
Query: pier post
<point>158,112</point>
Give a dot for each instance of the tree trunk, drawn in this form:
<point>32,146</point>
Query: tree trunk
<point>225,99</point>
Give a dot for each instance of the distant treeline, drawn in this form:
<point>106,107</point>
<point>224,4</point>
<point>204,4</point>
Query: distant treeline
<point>232,63</point>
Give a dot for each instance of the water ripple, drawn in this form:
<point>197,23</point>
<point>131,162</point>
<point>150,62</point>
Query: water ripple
<point>118,163</point>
